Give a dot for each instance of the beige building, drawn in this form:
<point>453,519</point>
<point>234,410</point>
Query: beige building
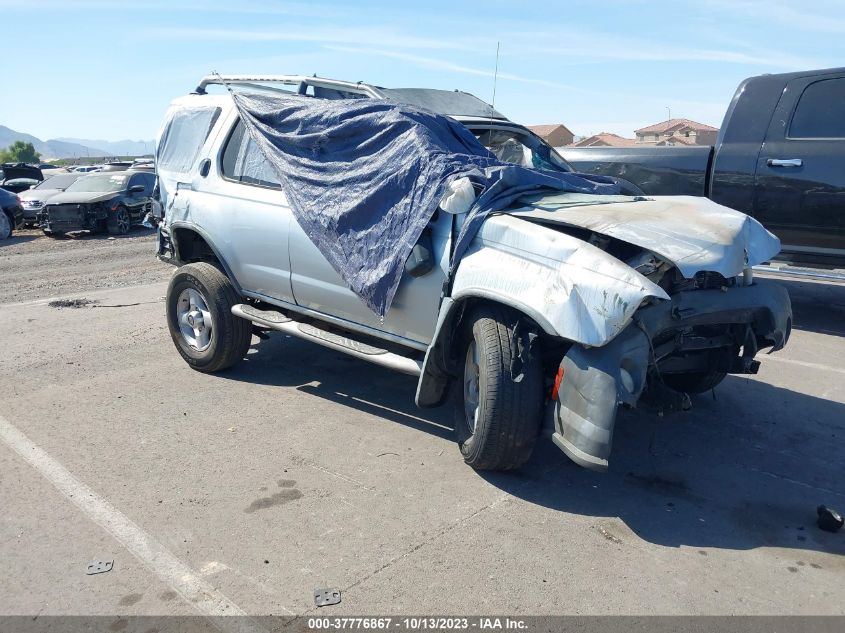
<point>677,132</point>
<point>605,139</point>
<point>556,135</point>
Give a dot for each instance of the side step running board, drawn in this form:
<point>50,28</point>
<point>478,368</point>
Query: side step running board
<point>277,321</point>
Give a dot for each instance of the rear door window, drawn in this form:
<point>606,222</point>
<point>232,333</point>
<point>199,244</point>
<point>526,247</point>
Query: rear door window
<point>820,112</point>
<point>183,138</point>
<point>244,162</point>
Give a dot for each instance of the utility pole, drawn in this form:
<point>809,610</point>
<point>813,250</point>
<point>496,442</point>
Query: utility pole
<point>668,109</point>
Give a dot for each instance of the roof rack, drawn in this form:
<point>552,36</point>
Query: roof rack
<point>301,81</point>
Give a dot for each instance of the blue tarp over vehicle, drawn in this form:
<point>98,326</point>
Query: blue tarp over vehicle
<point>363,178</point>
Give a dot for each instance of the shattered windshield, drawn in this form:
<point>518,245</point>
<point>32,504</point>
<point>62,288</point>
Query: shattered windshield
<point>99,183</point>
<point>520,148</point>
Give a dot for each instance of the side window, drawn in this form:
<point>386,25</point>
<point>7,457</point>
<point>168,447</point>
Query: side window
<point>183,138</point>
<point>149,184</point>
<point>244,162</point>
<point>137,179</point>
<point>820,112</point>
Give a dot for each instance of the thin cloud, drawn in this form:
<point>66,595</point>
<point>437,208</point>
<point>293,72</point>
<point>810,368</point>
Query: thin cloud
<point>300,9</point>
<point>431,63</point>
<point>331,35</point>
<point>780,13</point>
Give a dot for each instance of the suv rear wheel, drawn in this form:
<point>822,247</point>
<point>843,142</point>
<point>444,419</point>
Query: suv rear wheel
<point>497,420</point>
<point>199,315</point>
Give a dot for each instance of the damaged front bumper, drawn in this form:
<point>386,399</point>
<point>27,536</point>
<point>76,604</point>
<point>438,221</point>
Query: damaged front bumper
<point>64,218</point>
<point>665,334</point>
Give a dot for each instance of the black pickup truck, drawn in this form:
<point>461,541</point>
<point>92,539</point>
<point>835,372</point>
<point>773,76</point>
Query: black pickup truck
<point>779,157</point>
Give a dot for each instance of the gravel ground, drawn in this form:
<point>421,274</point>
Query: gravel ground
<point>35,266</point>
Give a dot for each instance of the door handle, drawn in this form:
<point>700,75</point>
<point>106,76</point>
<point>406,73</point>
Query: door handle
<point>784,162</point>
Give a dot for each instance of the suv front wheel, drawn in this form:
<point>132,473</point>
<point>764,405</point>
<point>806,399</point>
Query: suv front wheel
<point>497,420</point>
<point>199,315</point>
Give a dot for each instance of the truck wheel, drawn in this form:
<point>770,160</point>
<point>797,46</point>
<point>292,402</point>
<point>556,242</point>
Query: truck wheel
<point>694,381</point>
<point>5,226</point>
<point>199,315</point>
<point>497,420</point>
<point>118,222</point>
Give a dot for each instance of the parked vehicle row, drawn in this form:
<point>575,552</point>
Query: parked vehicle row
<point>112,201</point>
<point>101,201</point>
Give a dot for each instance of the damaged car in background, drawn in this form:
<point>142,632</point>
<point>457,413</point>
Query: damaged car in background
<point>389,232</point>
<point>102,201</point>
<point>34,199</point>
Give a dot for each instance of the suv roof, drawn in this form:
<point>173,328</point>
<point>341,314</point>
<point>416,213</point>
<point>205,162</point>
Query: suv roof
<point>453,103</point>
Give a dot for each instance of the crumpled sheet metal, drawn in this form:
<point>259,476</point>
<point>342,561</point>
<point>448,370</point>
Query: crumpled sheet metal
<point>364,176</point>
<point>695,234</point>
<point>572,289</point>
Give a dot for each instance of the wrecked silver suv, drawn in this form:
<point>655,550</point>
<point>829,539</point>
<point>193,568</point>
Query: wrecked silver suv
<point>391,234</point>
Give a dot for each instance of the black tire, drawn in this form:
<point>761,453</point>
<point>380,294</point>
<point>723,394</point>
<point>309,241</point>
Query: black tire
<point>119,222</point>
<point>230,335</point>
<point>509,413</point>
<point>7,225</point>
<point>694,381</point>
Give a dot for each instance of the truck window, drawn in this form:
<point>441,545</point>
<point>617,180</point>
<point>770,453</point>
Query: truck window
<point>820,109</point>
<point>183,138</point>
<point>244,162</point>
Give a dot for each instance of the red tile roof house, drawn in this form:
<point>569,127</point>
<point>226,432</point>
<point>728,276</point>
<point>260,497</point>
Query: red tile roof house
<point>677,131</point>
<point>605,139</point>
<point>556,135</point>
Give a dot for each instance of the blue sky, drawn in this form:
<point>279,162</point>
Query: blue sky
<point>106,69</point>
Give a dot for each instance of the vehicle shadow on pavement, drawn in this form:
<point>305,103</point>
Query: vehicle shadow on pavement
<point>744,471</point>
<point>817,306</point>
<point>339,378</point>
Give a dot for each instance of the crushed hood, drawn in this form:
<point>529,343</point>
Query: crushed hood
<point>695,234</point>
<point>83,197</point>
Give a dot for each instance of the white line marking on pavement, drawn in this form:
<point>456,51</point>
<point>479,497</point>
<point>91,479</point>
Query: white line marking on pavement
<point>803,363</point>
<point>184,580</point>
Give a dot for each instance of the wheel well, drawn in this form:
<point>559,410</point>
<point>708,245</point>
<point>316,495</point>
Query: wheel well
<point>192,247</point>
<point>443,362</point>
<point>551,346</point>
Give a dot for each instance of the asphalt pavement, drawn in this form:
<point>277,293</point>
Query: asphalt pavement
<point>303,468</point>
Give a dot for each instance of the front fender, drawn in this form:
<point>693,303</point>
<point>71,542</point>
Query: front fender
<point>571,289</point>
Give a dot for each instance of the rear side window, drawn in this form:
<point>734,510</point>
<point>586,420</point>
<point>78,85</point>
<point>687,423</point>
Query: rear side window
<point>821,111</point>
<point>244,162</point>
<point>183,138</point>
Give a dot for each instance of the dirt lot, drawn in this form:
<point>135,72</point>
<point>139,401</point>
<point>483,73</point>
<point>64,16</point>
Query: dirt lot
<point>36,266</point>
<point>303,468</point>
